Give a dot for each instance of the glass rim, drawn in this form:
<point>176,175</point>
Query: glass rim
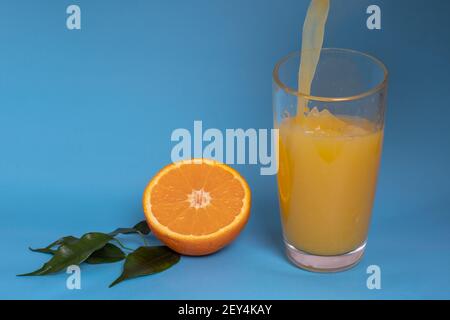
<point>289,90</point>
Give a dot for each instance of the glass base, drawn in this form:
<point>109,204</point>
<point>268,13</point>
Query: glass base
<point>315,263</point>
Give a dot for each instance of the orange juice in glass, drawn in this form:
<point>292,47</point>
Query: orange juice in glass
<point>329,154</point>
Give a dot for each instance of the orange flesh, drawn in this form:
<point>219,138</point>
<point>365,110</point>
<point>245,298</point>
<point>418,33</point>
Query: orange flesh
<point>197,199</point>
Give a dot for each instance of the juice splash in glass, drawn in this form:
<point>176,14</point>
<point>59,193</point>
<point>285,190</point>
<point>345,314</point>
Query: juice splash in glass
<point>330,142</point>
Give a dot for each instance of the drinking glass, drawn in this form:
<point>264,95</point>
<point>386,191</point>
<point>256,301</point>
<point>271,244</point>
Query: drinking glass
<point>329,150</point>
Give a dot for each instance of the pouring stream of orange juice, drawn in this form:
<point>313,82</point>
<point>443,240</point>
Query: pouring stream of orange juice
<point>328,164</point>
<point>312,40</point>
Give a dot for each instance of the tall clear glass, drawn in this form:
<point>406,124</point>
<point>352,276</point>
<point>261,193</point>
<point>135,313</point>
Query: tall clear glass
<point>329,151</point>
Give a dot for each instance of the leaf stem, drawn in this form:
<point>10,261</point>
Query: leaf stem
<point>121,244</point>
<point>143,238</point>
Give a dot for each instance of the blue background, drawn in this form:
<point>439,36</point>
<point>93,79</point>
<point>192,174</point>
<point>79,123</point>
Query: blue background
<point>86,118</point>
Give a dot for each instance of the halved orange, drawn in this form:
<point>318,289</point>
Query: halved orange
<point>197,206</point>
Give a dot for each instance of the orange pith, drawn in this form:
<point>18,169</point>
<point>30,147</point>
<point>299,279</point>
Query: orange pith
<point>197,206</point>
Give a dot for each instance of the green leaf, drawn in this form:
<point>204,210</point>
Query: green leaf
<point>43,250</point>
<point>147,260</point>
<point>108,254</point>
<point>49,248</point>
<point>141,228</point>
<point>73,253</point>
